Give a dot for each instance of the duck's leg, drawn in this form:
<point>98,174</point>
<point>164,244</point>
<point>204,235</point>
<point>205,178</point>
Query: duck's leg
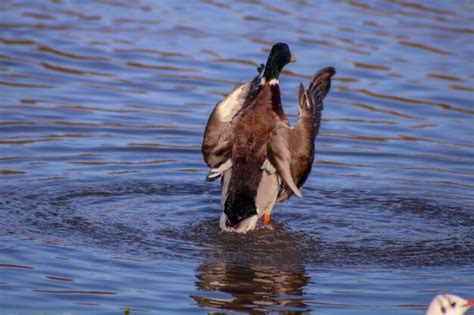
<point>266,221</point>
<point>267,192</point>
<point>266,218</point>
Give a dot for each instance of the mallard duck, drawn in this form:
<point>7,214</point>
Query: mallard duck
<point>249,144</point>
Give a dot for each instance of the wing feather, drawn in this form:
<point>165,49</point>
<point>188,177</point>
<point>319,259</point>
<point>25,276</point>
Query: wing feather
<point>218,137</point>
<point>295,147</point>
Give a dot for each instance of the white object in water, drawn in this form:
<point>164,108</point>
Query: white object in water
<point>448,304</point>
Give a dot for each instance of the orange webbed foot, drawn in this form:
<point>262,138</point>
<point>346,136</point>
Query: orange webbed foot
<point>266,218</point>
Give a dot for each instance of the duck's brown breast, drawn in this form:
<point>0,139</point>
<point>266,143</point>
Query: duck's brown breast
<point>276,102</point>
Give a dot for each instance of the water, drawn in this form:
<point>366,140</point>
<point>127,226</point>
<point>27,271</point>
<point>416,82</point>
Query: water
<point>102,194</point>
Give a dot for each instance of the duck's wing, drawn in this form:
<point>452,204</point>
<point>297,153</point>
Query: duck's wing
<point>293,148</point>
<point>218,137</point>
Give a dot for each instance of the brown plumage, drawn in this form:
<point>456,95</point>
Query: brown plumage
<point>249,144</point>
<point>218,137</point>
<point>252,130</point>
<point>300,139</point>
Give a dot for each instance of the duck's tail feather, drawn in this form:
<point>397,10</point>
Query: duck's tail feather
<point>239,205</point>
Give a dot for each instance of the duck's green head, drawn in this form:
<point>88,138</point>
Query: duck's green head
<point>280,56</point>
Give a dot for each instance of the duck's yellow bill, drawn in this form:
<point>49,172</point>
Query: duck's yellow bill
<point>292,58</point>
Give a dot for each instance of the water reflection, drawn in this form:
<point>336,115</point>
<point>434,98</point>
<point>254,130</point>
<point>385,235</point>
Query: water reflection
<point>259,274</point>
<point>251,288</point>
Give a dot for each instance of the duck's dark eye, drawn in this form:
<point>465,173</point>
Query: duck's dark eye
<point>453,305</point>
<point>443,309</point>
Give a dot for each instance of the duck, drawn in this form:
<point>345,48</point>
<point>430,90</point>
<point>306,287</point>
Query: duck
<point>449,304</point>
<point>250,146</point>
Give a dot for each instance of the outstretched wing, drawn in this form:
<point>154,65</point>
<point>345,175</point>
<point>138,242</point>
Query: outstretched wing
<point>218,138</point>
<point>293,148</point>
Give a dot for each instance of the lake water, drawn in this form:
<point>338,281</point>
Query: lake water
<point>103,203</point>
